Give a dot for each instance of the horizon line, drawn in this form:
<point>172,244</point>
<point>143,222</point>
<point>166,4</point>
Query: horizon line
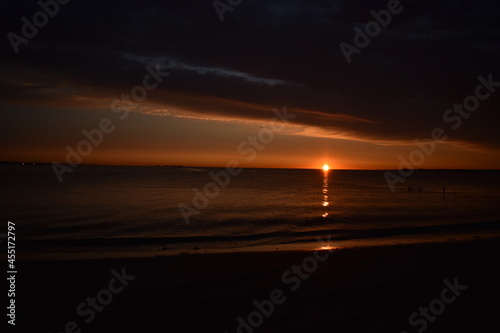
<point>23,163</point>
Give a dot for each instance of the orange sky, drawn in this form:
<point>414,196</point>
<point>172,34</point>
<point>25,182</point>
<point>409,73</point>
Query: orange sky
<point>144,139</point>
<point>213,85</point>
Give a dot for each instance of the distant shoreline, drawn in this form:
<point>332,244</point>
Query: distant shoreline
<point>31,163</point>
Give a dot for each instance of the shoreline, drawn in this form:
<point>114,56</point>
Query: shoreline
<point>370,289</point>
<point>139,248</point>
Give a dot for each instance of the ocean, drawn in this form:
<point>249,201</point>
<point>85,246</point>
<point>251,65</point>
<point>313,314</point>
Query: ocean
<point>100,211</point>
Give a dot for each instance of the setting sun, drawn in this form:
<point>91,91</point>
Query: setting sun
<point>326,167</point>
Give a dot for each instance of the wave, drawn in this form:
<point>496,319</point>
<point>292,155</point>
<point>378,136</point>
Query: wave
<point>281,237</point>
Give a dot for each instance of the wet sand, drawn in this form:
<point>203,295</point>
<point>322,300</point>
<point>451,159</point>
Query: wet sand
<point>372,289</point>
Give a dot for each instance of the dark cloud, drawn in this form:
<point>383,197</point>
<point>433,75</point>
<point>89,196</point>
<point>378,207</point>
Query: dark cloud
<point>269,53</point>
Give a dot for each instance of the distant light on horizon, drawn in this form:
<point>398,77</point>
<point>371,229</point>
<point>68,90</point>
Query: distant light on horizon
<point>326,167</point>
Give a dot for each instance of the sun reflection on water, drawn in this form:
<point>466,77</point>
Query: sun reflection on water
<point>325,203</point>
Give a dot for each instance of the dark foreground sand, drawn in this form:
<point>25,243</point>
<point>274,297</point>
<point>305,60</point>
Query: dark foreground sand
<point>356,290</point>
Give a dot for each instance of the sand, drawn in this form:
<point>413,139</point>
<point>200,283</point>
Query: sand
<point>372,289</point>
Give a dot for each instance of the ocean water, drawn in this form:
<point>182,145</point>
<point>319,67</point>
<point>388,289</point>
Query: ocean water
<point>113,211</point>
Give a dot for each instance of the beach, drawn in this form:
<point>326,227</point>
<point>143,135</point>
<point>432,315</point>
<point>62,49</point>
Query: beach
<point>277,251</point>
<point>366,289</point>
<point>250,166</point>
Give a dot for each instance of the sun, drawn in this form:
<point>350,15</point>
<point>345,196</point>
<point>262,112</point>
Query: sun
<point>326,167</point>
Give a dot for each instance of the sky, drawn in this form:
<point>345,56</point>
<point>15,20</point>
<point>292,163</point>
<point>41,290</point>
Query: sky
<point>226,77</point>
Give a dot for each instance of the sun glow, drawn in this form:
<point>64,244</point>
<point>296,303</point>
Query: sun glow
<point>326,167</point>
<point>328,248</point>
